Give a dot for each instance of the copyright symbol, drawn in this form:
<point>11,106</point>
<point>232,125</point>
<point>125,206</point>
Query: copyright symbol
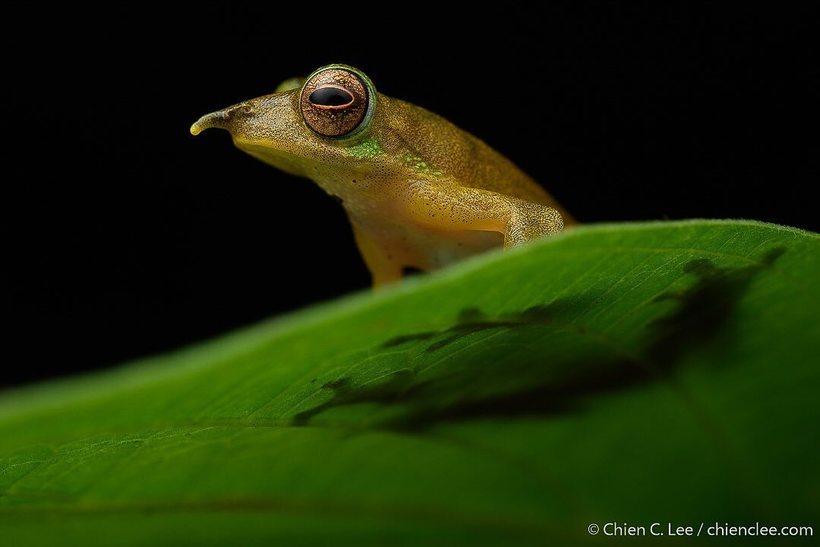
<point>592,529</point>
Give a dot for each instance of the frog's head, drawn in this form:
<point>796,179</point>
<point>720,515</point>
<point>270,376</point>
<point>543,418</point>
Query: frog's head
<point>306,125</point>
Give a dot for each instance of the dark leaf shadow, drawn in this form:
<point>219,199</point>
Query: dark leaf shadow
<point>701,319</point>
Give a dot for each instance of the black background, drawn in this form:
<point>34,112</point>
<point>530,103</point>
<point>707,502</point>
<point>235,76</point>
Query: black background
<point>124,236</point>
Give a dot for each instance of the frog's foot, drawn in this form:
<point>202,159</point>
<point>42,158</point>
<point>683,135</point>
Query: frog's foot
<point>530,221</point>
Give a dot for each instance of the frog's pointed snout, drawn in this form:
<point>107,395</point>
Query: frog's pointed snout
<point>214,119</point>
<point>221,119</point>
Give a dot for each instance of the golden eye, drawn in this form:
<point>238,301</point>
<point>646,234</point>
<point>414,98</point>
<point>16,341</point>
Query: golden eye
<point>334,102</point>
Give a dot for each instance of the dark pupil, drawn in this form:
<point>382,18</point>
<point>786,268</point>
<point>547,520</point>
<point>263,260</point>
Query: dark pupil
<point>330,96</point>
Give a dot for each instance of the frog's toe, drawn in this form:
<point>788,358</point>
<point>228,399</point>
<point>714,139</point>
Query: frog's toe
<point>532,221</point>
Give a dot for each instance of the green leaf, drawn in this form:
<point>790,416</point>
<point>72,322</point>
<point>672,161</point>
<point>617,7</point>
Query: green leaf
<point>660,372</point>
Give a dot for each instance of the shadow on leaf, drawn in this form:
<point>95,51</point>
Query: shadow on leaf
<point>540,383</point>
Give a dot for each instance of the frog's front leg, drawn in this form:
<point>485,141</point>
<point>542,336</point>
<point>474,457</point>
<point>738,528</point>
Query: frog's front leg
<point>384,266</point>
<point>453,207</point>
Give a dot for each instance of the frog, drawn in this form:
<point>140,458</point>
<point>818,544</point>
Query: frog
<point>420,193</point>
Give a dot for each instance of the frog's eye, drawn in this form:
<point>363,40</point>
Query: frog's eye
<point>334,102</point>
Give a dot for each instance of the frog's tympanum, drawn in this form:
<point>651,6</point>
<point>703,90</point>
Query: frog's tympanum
<point>420,192</point>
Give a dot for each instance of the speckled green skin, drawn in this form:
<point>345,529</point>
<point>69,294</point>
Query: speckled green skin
<point>419,191</point>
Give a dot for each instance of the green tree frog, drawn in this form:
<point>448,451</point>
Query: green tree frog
<point>419,192</point>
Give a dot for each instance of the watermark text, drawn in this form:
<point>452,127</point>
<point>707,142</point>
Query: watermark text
<point>710,529</point>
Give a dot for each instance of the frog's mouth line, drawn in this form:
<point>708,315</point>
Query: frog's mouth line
<point>234,119</point>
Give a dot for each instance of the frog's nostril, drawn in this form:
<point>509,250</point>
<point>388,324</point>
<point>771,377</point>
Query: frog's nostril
<point>221,118</point>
